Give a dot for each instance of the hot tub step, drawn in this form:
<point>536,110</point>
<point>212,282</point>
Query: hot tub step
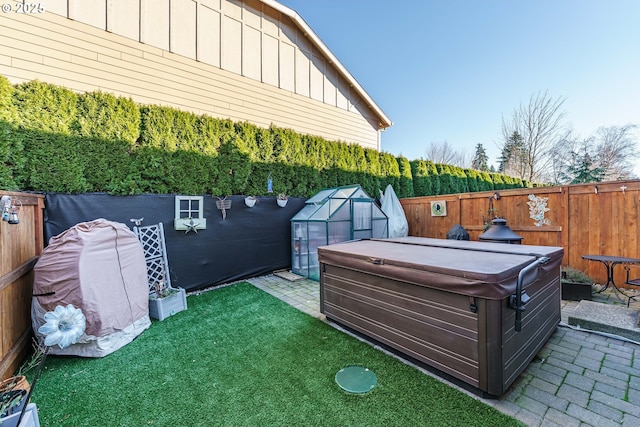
<point>612,319</point>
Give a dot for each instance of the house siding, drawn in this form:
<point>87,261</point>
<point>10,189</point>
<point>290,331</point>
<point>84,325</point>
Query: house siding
<point>240,60</point>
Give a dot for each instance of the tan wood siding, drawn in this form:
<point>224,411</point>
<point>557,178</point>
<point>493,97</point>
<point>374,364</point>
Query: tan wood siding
<point>123,19</point>
<point>253,64</point>
<point>270,60</point>
<point>92,12</point>
<point>251,53</point>
<point>303,71</point>
<point>209,36</point>
<point>183,27</point>
<point>58,6</point>
<point>287,74</point>
<point>154,23</point>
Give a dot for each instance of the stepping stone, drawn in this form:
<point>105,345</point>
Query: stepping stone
<point>287,275</point>
<point>608,318</point>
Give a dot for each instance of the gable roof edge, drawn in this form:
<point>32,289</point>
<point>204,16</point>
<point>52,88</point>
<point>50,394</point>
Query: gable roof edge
<point>385,121</point>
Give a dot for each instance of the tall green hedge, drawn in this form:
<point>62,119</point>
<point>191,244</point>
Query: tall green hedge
<point>11,146</point>
<point>52,139</point>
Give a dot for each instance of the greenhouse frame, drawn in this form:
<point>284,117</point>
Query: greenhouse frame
<point>332,216</point>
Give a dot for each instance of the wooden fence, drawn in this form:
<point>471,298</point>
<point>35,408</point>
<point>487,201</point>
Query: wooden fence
<point>597,219</point>
<point>20,246</point>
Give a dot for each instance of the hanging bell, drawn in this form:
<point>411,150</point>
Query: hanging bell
<point>13,218</point>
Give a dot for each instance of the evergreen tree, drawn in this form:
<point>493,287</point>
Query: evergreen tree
<point>11,147</point>
<point>472,179</point>
<point>480,159</point>
<point>434,179</point>
<point>420,177</point>
<point>405,186</point>
<point>446,180</point>
<point>582,169</point>
<point>512,158</point>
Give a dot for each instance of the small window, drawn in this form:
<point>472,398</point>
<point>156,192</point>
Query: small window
<point>189,213</point>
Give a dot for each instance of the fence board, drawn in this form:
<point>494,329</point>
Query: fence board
<point>20,246</point>
<point>598,219</point>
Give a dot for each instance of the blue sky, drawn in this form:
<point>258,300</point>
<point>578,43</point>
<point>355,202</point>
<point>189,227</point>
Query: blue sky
<point>449,70</point>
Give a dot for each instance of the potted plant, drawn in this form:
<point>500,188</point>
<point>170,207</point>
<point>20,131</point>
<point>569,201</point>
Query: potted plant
<point>64,326</point>
<point>165,301</point>
<point>14,392</point>
<point>282,199</point>
<point>11,404</point>
<point>17,382</point>
<point>575,284</point>
<point>250,201</point>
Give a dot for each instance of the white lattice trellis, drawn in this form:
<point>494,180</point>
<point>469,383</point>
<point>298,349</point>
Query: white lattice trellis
<point>155,254</point>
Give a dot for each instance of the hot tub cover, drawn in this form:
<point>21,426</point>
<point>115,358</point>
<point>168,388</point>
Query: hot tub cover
<point>486,270</point>
<point>99,267</point>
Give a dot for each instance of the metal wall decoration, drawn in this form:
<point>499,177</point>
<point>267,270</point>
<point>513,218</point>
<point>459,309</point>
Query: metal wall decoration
<point>439,208</point>
<point>537,209</point>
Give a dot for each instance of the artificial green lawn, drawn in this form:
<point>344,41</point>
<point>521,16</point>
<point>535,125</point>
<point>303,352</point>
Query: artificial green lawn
<point>240,357</point>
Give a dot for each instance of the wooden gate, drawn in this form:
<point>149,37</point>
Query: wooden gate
<point>20,246</point>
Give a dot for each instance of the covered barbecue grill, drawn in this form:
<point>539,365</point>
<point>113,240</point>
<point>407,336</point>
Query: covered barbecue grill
<point>477,312</point>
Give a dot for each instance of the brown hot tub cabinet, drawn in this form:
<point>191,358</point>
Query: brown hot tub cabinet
<point>477,312</point>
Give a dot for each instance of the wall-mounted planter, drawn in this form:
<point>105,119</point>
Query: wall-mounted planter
<point>223,204</point>
<point>250,201</point>
<point>190,223</point>
<point>282,202</point>
<point>161,308</point>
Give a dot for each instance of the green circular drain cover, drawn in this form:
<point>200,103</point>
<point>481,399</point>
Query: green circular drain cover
<point>356,379</point>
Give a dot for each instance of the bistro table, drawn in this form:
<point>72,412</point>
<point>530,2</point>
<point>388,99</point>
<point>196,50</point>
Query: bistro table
<point>610,262</point>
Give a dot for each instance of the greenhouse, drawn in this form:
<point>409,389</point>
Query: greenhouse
<point>331,216</point>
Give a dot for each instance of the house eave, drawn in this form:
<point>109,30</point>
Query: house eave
<point>384,120</point>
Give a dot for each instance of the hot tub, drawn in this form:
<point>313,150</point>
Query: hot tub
<point>476,312</point>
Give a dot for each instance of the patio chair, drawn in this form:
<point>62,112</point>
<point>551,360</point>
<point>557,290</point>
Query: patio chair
<point>633,282</point>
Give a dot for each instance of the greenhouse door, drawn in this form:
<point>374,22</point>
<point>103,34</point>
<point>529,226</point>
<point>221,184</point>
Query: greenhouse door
<point>361,214</point>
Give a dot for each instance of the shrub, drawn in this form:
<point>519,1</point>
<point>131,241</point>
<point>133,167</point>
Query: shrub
<point>52,139</point>
<point>11,146</point>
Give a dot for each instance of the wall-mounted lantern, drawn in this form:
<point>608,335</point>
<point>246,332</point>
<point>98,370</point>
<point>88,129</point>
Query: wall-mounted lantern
<point>5,205</point>
<point>10,210</point>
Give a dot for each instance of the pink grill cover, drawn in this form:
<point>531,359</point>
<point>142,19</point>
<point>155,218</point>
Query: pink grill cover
<point>99,267</point>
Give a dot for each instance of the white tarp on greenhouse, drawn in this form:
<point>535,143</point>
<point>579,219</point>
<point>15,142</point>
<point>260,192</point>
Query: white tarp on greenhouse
<point>390,205</point>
